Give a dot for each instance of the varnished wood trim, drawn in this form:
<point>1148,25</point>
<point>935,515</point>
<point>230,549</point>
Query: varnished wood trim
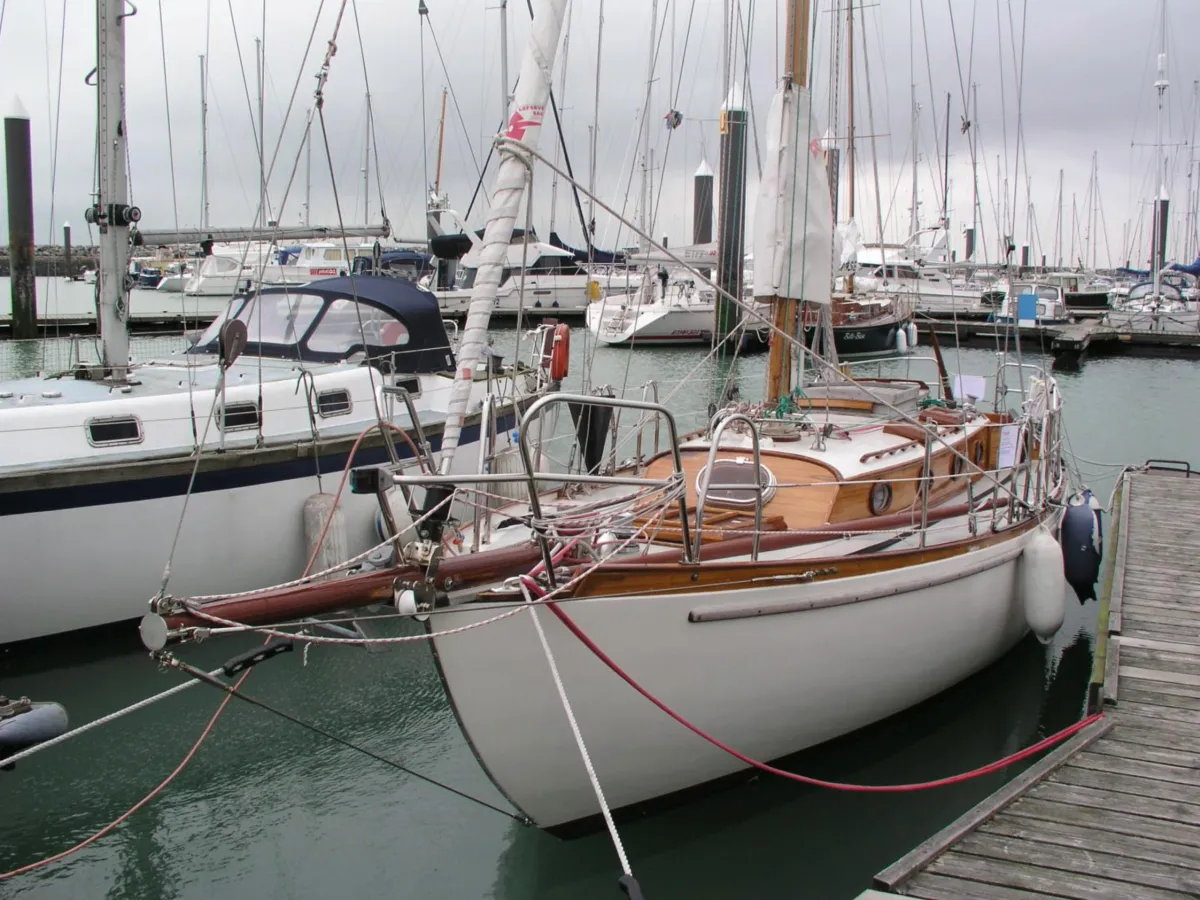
<point>623,579</point>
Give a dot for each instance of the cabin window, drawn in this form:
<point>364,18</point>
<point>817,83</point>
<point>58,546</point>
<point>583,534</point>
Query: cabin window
<point>881,498</point>
<point>115,430</point>
<point>240,417</point>
<point>333,255</point>
<point>343,327</point>
<point>977,454</point>
<point>957,465</point>
<point>412,385</point>
<point>333,403</point>
<point>728,474</point>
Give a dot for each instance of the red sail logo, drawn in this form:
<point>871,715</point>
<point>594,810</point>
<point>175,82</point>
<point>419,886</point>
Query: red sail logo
<point>518,124</point>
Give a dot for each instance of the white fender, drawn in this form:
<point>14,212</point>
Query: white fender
<point>319,509</point>
<point>1041,584</point>
<point>911,330</point>
<point>901,341</point>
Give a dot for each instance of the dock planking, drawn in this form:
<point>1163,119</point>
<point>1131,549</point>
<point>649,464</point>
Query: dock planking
<point>1115,811</point>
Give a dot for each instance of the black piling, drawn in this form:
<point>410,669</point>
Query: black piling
<point>731,234</point>
<point>67,269</point>
<point>1158,244</point>
<point>702,204</point>
<point>702,208</point>
<point>18,159</point>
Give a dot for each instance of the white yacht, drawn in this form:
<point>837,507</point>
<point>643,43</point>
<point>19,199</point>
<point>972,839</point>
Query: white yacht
<point>235,267</point>
<point>555,282</point>
<point>677,311</point>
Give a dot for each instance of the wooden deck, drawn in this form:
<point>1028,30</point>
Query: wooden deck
<point>1115,811</point>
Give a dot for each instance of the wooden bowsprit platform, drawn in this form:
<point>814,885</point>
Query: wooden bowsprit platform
<point>1115,811</point>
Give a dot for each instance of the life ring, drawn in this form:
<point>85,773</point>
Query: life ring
<point>560,352</point>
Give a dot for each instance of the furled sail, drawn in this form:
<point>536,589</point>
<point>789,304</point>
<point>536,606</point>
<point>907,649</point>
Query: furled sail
<point>793,221</point>
<point>524,126</point>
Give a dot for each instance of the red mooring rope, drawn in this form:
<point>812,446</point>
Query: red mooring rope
<point>996,766</point>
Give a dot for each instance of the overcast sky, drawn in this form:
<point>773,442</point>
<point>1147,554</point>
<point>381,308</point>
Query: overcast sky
<point>1088,74</point>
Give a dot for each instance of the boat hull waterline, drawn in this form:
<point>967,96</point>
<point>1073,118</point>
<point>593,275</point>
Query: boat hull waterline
<point>769,685</point>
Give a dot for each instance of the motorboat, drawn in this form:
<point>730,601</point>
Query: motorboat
<point>175,277</point>
<point>1083,294</point>
<point>1034,304</point>
<point>538,279</point>
<point>233,267</point>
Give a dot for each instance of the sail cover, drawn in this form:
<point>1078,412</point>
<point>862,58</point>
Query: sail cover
<point>793,221</point>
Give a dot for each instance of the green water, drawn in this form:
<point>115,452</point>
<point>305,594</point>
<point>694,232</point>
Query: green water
<point>269,810</point>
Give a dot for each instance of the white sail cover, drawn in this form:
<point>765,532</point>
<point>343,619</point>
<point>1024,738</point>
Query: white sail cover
<point>793,220</point>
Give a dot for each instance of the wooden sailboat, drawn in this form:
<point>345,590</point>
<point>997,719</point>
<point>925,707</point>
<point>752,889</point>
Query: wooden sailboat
<point>798,569</point>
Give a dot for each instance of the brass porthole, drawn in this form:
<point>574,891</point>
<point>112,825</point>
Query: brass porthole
<point>881,498</point>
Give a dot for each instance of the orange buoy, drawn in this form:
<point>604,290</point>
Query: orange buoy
<point>560,352</point>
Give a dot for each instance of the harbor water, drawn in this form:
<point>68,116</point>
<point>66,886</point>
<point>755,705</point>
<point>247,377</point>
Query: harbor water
<point>267,809</point>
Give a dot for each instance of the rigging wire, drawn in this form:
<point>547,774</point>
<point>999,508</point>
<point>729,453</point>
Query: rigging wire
<point>374,148</point>
<point>295,90</point>
<point>55,131</point>
<point>233,690</point>
<point>115,823</point>
<point>424,14</point>
<point>162,39</point>
<point>933,105</point>
<point>454,98</point>
<point>249,108</point>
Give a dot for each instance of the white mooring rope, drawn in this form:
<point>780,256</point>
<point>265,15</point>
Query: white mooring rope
<point>583,751</point>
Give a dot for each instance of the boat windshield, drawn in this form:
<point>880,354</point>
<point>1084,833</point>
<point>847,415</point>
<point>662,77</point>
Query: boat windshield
<point>270,319</point>
<point>1145,291</point>
<point>1043,291</point>
<point>299,325</point>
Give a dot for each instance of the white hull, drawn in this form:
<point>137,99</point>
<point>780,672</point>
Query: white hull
<point>659,324</point>
<point>225,286</point>
<point>84,566</point>
<point>767,685</point>
<point>155,305</point>
<point>544,295</point>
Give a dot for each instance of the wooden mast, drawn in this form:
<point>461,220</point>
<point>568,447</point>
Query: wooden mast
<point>785,309</point>
<point>437,177</point>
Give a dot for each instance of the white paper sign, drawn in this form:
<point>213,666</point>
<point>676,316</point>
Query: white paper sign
<point>965,386</point>
<point>1008,446</point>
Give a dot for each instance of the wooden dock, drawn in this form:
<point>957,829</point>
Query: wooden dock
<point>1115,811</point>
<point>1068,344</point>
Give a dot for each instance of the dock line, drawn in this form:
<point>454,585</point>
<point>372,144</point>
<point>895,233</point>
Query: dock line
<point>988,769</point>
